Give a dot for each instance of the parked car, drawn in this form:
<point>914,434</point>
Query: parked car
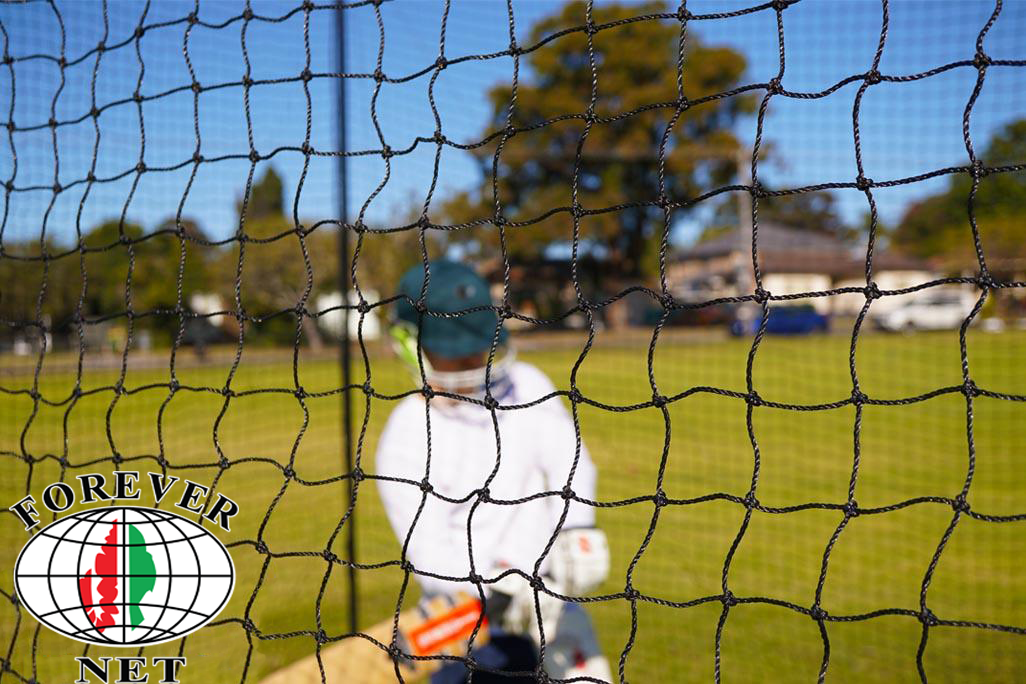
<point>938,311</point>
<point>799,319</point>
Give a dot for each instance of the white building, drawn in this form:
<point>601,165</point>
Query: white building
<point>791,262</point>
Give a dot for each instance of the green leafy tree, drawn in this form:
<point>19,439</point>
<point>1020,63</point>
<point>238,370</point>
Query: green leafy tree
<point>619,162</point>
<point>155,271</point>
<point>938,226</point>
<point>274,272</point>
<point>22,278</point>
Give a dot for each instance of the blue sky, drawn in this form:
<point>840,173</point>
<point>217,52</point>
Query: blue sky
<point>907,128</point>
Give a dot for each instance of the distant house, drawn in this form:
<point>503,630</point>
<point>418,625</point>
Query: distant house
<point>791,261</point>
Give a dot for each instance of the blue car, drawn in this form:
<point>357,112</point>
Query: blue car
<point>785,320</point>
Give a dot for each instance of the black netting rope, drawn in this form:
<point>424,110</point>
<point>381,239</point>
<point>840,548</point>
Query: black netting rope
<point>49,253</point>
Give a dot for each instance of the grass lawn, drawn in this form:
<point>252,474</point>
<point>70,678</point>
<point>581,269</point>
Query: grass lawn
<point>879,561</point>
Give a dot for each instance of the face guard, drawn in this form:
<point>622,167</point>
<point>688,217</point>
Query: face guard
<point>469,383</point>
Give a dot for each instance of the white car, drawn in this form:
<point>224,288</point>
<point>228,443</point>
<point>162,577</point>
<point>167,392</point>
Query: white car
<point>935,311</point>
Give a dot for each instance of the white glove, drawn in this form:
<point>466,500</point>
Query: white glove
<point>511,606</point>
<point>579,560</point>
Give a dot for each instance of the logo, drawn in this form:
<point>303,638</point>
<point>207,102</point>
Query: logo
<point>127,576</point>
<point>124,576</point>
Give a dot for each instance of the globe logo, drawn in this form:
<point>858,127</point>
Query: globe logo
<point>124,576</point>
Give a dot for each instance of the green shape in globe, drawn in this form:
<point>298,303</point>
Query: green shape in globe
<point>142,571</point>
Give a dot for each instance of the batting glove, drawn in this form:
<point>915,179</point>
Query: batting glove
<point>579,560</point>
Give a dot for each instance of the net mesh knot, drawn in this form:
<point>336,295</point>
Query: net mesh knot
<point>873,77</point>
<point>817,613</point>
<point>851,509</point>
<point>426,487</point>
<point>728,599</point>
<point>754,399</point>
<point>858,397</point>
<point>981,60</point>
<point>321,636</point>
<point>357,475</point>
<point>863,183</point>
<point>969,388</point>
<point>959,504</point>
<point>261,548</point>
<point>928,618</point>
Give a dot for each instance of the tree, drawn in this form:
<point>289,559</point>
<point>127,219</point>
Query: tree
<point>814,211</point>
<point>619,163</point>
<point>938,225</point>
<point>274,272</point>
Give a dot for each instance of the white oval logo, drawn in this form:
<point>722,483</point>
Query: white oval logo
<point>124,576</point>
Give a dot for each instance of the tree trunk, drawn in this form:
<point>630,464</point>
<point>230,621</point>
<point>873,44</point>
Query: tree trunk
<point>313,335</point>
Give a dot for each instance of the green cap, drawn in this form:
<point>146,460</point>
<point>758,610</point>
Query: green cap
<point>452,287</point>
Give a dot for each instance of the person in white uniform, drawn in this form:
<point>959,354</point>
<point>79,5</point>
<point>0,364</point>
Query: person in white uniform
<point>456,450</point>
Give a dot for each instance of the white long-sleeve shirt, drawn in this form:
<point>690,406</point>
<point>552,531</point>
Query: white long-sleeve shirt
<point>537,452</point>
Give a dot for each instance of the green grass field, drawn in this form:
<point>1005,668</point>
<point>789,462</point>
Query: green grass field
<point>878,562</point>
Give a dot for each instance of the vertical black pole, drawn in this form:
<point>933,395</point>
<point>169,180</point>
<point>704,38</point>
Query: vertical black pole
<point>343,280</point>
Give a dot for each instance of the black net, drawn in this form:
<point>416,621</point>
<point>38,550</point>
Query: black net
<point>172,172</point>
